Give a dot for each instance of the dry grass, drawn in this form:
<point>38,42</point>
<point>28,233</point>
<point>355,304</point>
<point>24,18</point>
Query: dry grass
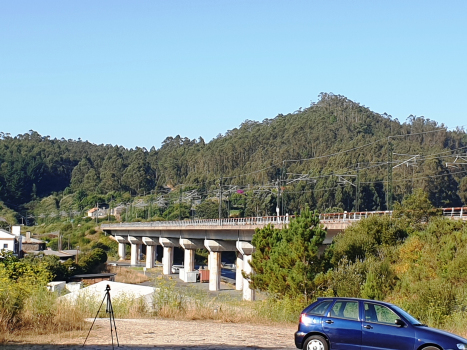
<point>58,320</point>
<point>189,303</point>
<point>45,315</point>
<point>126,275</point>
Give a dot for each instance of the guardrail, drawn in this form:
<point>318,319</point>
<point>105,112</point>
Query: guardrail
<point>459,212</point>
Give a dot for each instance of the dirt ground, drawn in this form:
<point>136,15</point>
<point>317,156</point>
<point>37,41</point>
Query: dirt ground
<point>168,335</point>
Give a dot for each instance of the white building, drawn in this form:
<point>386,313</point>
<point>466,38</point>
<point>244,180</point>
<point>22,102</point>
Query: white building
<point>11,241</point>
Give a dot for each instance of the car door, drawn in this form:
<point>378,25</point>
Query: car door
<point>379,330</point>
<point>342,325</point>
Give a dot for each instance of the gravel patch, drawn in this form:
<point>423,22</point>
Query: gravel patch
<point>169,335</point>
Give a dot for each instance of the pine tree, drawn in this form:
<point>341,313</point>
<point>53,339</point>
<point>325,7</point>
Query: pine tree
<point>286,261</point>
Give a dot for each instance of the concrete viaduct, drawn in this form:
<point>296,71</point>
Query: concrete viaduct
<point>216,236</point>
<point>219,236</point>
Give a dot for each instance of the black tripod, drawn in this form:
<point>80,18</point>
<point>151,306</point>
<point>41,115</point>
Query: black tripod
<point>109,310</point>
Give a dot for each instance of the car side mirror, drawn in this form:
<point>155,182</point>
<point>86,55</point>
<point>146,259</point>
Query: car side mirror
<point>399,322</point>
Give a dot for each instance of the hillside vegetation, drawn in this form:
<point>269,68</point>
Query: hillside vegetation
<point>350,157</point>
<point>415,259</point>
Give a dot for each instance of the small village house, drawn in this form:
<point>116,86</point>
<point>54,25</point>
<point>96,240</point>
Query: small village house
<point>12,241</point>
<point>32,244</point>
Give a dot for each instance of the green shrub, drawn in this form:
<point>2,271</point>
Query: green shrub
<point>89,262</point>
<point>366,238</point>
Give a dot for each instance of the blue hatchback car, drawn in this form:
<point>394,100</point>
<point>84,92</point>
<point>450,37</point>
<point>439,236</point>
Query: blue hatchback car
<point>360,324</point>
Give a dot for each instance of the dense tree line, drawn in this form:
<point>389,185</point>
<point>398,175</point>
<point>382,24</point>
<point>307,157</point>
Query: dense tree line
<point>370,166</point>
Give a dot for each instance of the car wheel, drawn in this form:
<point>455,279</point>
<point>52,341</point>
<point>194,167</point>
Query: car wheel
<point>316,342</point>
<point>430,348</point>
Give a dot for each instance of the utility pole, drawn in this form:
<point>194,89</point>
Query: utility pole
<point>278,210</point>
<point>283,172</point>
<point>220,201</point>
<point>357,199</point>
<point>389,186</point>
<point>180,205</point>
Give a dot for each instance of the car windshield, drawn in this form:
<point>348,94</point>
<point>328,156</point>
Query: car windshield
<point>412,320</point>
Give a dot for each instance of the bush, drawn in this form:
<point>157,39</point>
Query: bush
<point>366,238</point>
<point>53,244</point>
<point>89,262</point>
<point>432,271</point>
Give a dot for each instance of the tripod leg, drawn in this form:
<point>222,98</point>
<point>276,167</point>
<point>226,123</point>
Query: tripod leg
<point>95,319</point>
<point>108,310</point>
<point>112,317</point>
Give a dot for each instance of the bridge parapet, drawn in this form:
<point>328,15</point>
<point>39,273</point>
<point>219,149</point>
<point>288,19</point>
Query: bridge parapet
<point>203,224</point>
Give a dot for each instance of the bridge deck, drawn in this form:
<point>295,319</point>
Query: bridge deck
<point>331,221</point>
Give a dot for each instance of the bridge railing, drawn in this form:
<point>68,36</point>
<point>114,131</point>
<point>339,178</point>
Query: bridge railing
<point>458,212</point>
<point>255,221</point>
<point>352,216</point>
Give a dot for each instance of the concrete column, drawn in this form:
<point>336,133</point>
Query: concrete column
<point>134,254</point>
<point>168,255</point>
<point>167,260</point>
<point>122,250</point>
<point>151,244</point>
<point>122,241</point>
<point>215,271</point>
<point>135,250</point>
<point>215,248</point>
<point>150,256</point>
<point>248,293</point>
<point>246,249</point>
<point>189,258</point>
<point>239,276</point>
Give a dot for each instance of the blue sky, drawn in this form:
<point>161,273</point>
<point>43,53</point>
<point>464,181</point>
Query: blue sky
<point>134,72</point>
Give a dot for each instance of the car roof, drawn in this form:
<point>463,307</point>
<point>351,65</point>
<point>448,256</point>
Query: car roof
<point>355,299</point>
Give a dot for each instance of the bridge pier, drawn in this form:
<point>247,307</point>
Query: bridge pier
<point>122,242</point>
<point>150,251</point>
<point>239,276</point>
<point>215,249</point>
<point>122,251</point>
<point>246,249</point>
<point>168,256</point>
<point>189,246</point>
<point>135,250</point>
<point>215,271</point>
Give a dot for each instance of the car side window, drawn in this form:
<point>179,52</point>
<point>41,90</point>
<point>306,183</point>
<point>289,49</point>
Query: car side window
<point>319,309</point>
<point>345,309</point>
<point>380,314</point>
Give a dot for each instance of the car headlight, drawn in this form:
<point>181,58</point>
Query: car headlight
<point>462,346</point>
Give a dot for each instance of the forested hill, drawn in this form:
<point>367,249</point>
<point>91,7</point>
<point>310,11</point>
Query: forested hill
<point>341,147</point>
